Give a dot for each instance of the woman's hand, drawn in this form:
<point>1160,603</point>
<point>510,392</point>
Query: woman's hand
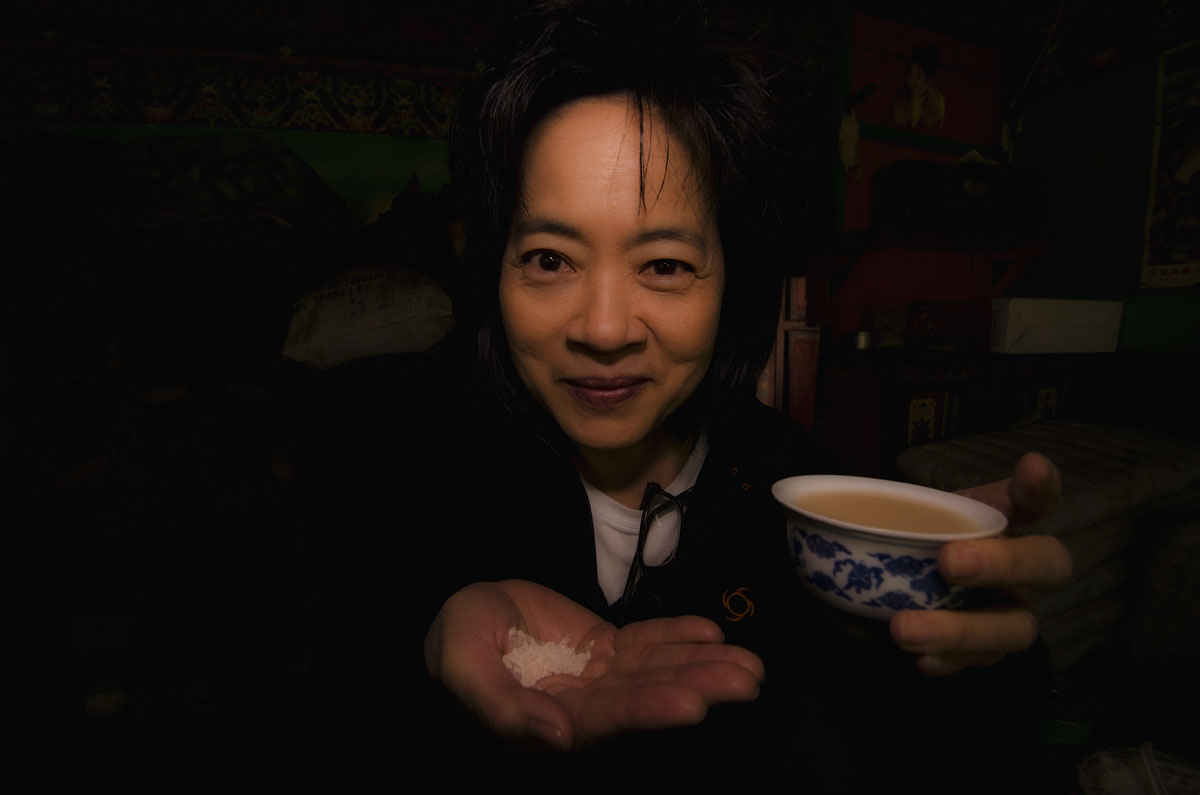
<point>949,640</point>
<point>648,675</point>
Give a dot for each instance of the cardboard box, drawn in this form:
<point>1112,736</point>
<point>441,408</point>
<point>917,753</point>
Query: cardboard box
<point>1049,325</point>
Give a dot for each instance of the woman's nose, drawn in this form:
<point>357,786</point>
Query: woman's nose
<point>606,319</point>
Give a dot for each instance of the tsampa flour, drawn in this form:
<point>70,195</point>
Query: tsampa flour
<point>530,660</point>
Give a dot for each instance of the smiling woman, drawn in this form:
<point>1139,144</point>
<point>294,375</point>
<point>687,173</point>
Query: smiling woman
<point>698,111</point>
<point>622,252</point>
<point>610,301</point>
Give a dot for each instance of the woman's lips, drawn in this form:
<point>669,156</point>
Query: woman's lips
<point>605,393</point>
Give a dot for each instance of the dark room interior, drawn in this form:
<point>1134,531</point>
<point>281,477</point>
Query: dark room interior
<point>230,308</point>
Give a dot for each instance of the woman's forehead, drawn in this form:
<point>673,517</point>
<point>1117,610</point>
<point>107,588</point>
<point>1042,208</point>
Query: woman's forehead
<point>613,138</point>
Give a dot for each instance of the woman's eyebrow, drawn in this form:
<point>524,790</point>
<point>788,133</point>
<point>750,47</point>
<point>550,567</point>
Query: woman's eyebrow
<point>681,234</point>
<point>531,226</point>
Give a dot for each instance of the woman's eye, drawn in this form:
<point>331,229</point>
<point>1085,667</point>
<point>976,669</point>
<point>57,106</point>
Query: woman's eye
<point>667,267</point>
<point>545,260</point>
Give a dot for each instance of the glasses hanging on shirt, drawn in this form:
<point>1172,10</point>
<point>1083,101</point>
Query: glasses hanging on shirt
<point>657,509</point>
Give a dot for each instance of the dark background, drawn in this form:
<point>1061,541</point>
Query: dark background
<point>177,175</point>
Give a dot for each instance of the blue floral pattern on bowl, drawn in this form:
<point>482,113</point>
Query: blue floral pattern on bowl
<point>874,571</point>
<point>875,584</point>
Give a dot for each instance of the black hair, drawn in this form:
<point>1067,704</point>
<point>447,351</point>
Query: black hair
<point>713,99</point>
<point>928,58</point>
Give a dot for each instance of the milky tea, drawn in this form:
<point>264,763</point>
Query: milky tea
<point>885,511</point>
<point>870,547</point>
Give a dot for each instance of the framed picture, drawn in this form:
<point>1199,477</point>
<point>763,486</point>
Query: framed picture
<point>926,417</point>
<point>921,94</point>
<point>1172,257</point>
<point>927,85</point>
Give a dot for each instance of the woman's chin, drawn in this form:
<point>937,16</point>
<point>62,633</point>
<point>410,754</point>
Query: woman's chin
<point>605,443</point>
<point>613,437</point>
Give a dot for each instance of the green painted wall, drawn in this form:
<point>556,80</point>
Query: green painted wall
<point>365,170</point>
<point>1093,144</point>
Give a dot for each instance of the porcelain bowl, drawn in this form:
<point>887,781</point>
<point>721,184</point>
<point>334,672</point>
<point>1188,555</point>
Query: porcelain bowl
<point>875,571</point>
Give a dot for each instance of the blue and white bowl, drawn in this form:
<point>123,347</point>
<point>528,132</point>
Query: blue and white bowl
<point>875,571</point>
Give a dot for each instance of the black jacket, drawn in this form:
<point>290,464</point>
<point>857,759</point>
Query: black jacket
<point>532,521</point>
<point>842,709</point>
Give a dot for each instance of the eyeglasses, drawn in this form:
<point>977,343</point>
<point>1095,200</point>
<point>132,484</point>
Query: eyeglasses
<point>657,505</point>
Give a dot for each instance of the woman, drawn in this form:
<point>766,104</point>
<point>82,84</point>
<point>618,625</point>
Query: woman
<point>625,249</point>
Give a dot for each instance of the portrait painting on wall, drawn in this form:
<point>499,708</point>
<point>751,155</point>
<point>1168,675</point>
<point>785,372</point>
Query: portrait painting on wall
<point>918,103</point>
<point>925,81</point>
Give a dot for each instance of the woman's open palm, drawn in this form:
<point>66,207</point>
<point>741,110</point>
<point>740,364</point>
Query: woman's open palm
<point>648,675</point>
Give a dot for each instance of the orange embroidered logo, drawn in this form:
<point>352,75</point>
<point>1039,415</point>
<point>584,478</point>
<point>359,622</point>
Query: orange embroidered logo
<point>738,604</point>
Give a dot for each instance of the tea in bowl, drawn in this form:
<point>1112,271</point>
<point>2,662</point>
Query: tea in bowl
<point>869,547</point>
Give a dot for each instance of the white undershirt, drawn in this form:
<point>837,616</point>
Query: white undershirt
<point>616,528</point>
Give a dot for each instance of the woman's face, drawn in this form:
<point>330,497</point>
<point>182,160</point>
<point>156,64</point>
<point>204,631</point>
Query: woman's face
<point>610,294</point>
<point>918,81</point>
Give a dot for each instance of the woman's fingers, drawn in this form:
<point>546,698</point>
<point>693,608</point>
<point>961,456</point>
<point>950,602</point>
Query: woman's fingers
<point>964,632</point>
<point>525,713</point>
<point>681,641</point>
<point>602,712</point>
<point>664,672</point>
<point>1034,490</point>
<point>649,698</point>
<point>949,640</point>
<point>680,629</point>
<point>714,681</point>
<point>488,688</point>
<point>947,664</point>
<point>1027,562</point>
<point>972,635</point>
<point>670,656</point>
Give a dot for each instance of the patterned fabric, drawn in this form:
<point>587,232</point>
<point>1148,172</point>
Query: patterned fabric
<point>222,90</point>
